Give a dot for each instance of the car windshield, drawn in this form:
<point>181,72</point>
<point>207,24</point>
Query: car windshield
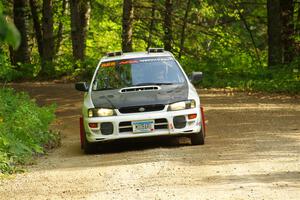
<point>137,72</point>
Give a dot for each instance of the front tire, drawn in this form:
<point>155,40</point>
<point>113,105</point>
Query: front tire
<point>88,147</point>
<point>198,138</point>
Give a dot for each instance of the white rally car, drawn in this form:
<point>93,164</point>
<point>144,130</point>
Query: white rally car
<point>140,94</point>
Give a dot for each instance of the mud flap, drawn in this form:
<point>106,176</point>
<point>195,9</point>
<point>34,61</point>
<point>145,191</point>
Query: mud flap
<point>81,132</point>
<point>203,120</point>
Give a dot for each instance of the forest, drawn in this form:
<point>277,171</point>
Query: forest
<point>248,45</point>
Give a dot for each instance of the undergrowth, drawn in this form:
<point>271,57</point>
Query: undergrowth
<point>24,130</point>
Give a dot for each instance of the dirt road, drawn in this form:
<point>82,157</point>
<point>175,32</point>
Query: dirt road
<point>252,151</point>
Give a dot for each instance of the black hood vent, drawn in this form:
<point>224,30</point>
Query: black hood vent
<point>144,108</point>
<point>137,89</point>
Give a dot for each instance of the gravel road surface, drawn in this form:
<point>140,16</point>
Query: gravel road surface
<point>252,151</point>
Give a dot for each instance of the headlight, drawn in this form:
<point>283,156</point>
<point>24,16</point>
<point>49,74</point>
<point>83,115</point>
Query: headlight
<point>182,105</point>
<point>100,112</point>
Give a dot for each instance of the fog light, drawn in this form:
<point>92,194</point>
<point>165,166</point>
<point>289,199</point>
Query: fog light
<point>107,128</point>
<point>179,121</point>
<point>192,116</point>
<point>93,125</point>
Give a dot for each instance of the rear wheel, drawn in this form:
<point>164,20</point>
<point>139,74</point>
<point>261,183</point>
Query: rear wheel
<point>198,138</point>
<point>88,147</point>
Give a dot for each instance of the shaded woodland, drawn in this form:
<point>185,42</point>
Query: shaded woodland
<point>244,44</point>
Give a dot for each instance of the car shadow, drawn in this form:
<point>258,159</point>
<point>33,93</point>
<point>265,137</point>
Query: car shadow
<point>137,144</point>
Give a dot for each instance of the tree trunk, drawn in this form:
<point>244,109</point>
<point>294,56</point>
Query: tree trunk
<point>37,26</point>
<point>187,10</point>
<point>21,55</point>
<point>275,56</point>
<point>151,25</point>
<point>80,14</point>
<point>60,27</point>
<point>168,25</point>
<point>287,12</point>
<point>127,25</point>
<point>297,24</point>
<point>48,39</point>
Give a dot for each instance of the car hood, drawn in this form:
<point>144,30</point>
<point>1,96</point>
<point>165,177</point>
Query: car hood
<point>115,99</point>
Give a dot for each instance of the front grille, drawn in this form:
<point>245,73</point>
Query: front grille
<point>145,108</point>
<point>125,126</point>
<point>161,123</point>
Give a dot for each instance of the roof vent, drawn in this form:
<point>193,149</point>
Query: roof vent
<point>112,54</point>
<point>156,50</point>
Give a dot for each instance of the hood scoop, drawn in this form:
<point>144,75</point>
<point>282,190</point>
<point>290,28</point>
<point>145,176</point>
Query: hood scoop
<point>140,88</point>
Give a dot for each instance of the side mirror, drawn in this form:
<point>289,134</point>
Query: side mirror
<point>196,76</point>
<point>82,86</point>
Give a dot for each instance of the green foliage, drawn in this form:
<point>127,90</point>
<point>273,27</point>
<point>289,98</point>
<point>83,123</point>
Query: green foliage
<point>8,32</point>
<point>85,69</point>
<point>241,72</point>
<point>217,42</point>
<point>23,129</point>
<point>283,81</point>
<point>7,72</point>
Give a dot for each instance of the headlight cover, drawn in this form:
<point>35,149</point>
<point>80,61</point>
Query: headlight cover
<point>100,112</point>
<point>182,105</point>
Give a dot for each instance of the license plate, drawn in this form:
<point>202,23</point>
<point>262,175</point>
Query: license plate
<point>143,126</point>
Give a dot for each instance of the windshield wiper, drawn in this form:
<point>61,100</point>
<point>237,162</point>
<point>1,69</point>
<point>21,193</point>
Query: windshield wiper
<point>142,84</point>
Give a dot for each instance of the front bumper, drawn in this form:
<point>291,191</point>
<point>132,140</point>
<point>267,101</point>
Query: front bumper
<point>163,122</point>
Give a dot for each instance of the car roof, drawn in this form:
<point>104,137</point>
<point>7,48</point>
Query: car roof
<point>133,55</point>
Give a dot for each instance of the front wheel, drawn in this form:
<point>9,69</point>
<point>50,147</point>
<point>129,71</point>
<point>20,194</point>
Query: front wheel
<point>198,138</point>
<point>88,147</point>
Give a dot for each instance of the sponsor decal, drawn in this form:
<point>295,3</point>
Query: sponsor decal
<point>125,62</point>
<point>156,59</point>
<point>108,64</point>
